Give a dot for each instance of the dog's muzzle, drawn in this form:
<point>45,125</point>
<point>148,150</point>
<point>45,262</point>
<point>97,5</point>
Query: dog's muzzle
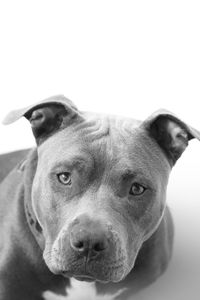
<point>89,250</point>
<point>89,238</point>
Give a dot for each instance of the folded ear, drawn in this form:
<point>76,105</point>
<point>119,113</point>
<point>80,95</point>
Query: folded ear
<point>47,116</point>
<point>171,133</point>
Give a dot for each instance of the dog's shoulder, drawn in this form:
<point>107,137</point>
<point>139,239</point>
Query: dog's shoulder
<point>9,161</point>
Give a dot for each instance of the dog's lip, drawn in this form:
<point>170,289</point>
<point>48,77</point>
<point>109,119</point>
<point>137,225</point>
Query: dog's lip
<point>87,278</point>
<point>81,277</point>
<point>84,277</point>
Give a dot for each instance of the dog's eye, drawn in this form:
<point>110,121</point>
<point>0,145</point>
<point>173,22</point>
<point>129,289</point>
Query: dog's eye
<point>65,178</point>
<point>137,189</point>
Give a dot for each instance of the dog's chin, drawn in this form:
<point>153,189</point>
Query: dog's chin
<point>103,270</point>
<point>86,278</point>
<point>102,274</point>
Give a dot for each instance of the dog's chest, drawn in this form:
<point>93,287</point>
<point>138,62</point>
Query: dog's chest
<point>79,291</point>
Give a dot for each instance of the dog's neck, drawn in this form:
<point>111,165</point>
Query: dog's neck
<point>29,173</point>
<point>33,224</point>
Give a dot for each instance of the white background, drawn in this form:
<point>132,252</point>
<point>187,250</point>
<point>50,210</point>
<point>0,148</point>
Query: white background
<point>119,57</point>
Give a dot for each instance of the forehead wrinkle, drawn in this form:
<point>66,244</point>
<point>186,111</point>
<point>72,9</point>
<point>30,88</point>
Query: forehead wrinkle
<point>97,126</point>
<point>103,138</point>
<point>94,127</point>
<point>99,130</point>
<point>110,149</point>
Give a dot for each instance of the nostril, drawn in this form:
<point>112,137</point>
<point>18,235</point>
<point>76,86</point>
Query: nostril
<point>88,245</point>
<point>89,240</point>
<point>99,246</point>
<point>79,245</point>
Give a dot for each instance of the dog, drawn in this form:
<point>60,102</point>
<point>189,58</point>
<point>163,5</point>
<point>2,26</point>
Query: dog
<point>89,202</point>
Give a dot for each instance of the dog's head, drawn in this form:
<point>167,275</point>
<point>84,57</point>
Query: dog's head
<point>100,185</point>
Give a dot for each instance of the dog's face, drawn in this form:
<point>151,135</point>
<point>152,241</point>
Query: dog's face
<point>98,193</point>
<point>100,185</point>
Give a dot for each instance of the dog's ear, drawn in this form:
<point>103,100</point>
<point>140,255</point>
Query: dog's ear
<point>171,133</point>
<point>47,116</point>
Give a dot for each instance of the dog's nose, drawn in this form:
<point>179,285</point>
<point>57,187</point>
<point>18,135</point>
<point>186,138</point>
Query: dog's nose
<point>88,237</point>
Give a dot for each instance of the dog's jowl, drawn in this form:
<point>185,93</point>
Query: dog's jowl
<point>89,202</point>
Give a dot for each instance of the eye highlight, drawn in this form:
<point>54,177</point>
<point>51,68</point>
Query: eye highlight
<point>137,189</point>
<point>64,178</point>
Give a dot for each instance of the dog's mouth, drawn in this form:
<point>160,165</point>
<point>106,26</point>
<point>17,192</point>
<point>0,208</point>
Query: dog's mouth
<point>100,273</point>
<point>101,269</point>
<point>83,277</point>
<point>89,260</point>
<point>86,278</point>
